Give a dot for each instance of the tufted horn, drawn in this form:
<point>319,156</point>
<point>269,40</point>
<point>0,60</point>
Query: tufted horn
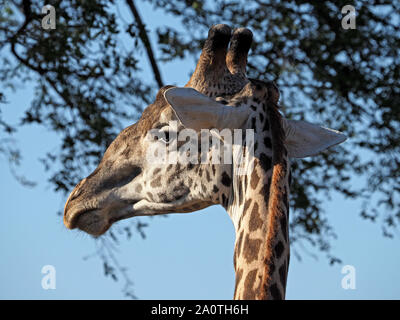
<point>236,58</point>
<point>211,66</point>
<point>212,76</point>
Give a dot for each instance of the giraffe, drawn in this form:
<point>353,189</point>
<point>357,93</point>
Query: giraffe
<point>219,95</point>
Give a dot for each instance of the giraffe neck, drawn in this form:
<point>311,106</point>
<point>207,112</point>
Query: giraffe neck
<point>259,210</point>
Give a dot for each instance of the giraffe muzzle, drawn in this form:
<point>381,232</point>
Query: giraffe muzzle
<point>96,221</point>
<point>72,217</point>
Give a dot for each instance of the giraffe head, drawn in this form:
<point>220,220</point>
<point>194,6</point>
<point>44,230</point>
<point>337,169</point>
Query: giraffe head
<point>129,183</point>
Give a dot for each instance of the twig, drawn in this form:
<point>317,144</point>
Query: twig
<point>146,42</point>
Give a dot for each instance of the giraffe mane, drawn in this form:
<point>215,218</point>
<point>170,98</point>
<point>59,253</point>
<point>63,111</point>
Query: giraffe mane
<point>276,192</point>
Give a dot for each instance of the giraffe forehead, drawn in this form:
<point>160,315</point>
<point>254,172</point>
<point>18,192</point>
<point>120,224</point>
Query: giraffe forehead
<point>128,141</point>
<point>255,91</point>
<point>160,111</point>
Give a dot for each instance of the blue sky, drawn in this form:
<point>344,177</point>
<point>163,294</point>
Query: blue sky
<point>185,256</point>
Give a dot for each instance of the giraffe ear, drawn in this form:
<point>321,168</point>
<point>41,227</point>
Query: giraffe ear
<point>197,111</point>
<point>304,139</point>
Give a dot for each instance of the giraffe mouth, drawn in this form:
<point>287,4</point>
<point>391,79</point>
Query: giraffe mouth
<point>91,222</point>
<point>96,221</point>
<point>72,220</point>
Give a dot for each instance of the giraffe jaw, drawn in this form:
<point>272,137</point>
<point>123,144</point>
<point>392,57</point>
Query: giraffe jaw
<point>183,205</point>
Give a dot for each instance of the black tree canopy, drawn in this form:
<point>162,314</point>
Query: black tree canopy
<point>88,80</point>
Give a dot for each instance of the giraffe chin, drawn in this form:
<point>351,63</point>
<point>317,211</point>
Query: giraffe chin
<point>97,222</point>
<point>92,223</point>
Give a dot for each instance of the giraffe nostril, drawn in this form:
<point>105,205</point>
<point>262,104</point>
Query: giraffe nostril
<point>75,194</point>
<point>77,191</point>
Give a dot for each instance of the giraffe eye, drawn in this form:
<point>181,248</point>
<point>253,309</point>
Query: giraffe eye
<point>166,134</point>
<point>166,139</point>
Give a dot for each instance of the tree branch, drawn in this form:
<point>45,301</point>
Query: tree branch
<point>146,42</point>
<point>26,10</point>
